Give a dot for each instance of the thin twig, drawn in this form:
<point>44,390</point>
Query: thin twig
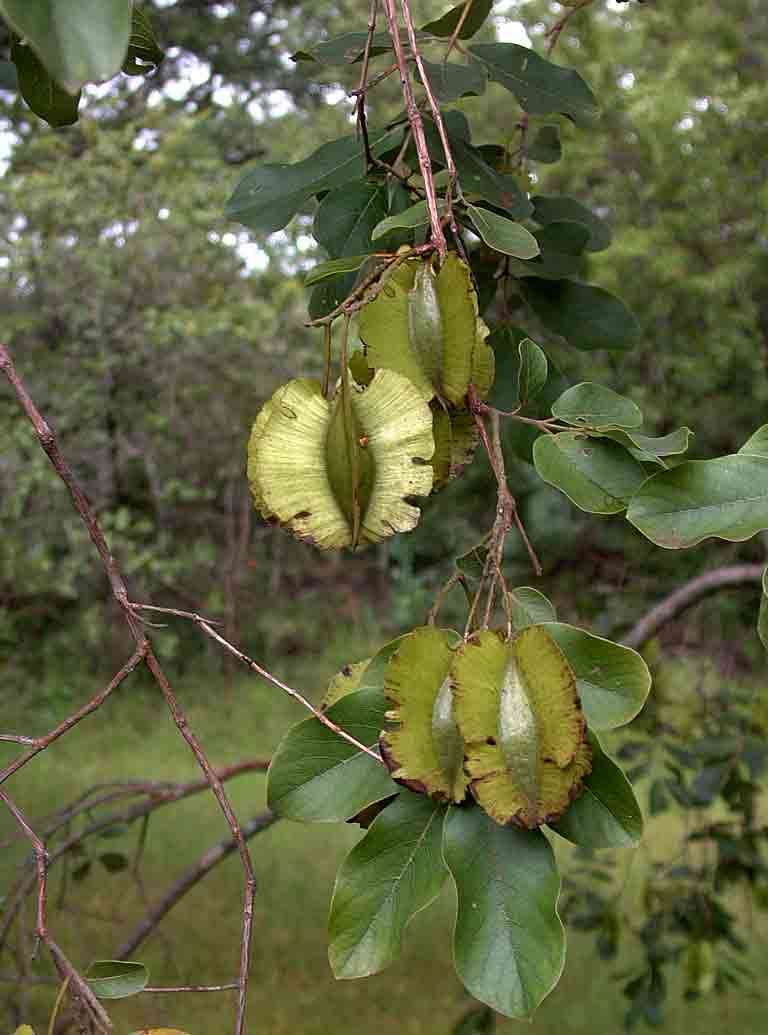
<point>417,125</point>
<point>204,626</point>
<point>155,990</point>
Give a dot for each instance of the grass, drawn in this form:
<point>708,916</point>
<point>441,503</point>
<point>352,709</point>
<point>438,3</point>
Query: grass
<point>292,990</point>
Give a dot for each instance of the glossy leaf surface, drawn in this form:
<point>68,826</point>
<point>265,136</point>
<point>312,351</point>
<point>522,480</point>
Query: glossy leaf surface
<point>509,943</point>
<point>606,813</point>
<point>613,680</point>
<point>724,498</point>
<point>78,43</point>
<point>540,86</point>
<point>317,777</point>
<point>395,871</point>
<point>598,475</point>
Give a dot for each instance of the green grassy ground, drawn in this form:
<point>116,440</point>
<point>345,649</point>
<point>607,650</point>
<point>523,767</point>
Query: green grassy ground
<point>292,990</point>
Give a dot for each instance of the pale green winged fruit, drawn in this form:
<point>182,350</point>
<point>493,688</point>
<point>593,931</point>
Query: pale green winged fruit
<point>424,324</point>
<point>423,748</point>
<point>516,705</point>
<point>456,437</point>
<point>342,472</point>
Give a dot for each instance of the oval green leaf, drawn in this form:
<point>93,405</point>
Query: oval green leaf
<point>334,268</point>
<point>412,218</point>
<point>540,86</point>
<point>725,498</point>
<point>502,234</point>
<point>556,208</point>
<point>530,607</point>
<point>596,474</point>
<point>509,943</point>
<point>606,813</point>
<point>447,23</point>
<point>78,43</point>
<point>597,407</point>
<point>532,374</point>
<point>117,979</point>
<point>317,777</point>
<point>613,680</point>
<point>586,316</point>
<point>395,871</point>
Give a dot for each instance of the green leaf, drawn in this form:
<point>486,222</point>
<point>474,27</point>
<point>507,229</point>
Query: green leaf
<point>540,86</point>
<point>415,216</point>
<point>556,208</point>
<point>9,80</point>
<point>606,813</point>
<point>476,176</point>
<point>42,94</point>
<point>725,498</point>
<point>586,316</point>
<point>545,146</point>
<point>597,407</point>
<point>117,979</point>
<point>346,217</point>
<point>24,1029</point>
<point>596,474</point>
<point>651,450</point>
<point>395,871</point>
<point>144,52</point>
<point>334,268</point>
<point>562,246</point>
<point>613,681</point>
<point>502,234</point>
<point>445,25</point>
<point>451,81</point>
<point>270,195</point>
<point>532,375</point>
<point>757,444</point>
<point>530,607</point>
<point>349,48</point>
<point>317,777</point>
<point>509,943</point>
<point>83,42</point>
<point>762,621</point>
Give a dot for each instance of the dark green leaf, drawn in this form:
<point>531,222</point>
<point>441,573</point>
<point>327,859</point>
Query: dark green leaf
<point>555,208</point>
<point>725,498</point>
<point>597,407</point>
<point>598,475</point>
<point>117,979</point>
<point>651,450</point>
<point>546,146</point>
<point>613,681</point>
<point>113,861</point>
<point>9,79</point>
<point>586,316</point>
<point>317,777</point>
<point>532,375</point>
<point>540,86</point>
<point>43,94</point>
<point>450,81</point>
<point>349,48</point>
<point>509,944</point>
<point>472,563</point>
<point>334,268</point>
<point>269,196</point>
<point>346,217</point>
<point>606,813</point>
<point>395,871</point>
<point>446,25</point>
<point>144,52</point>
<point>476,176</point>
<point>561,245</point>
<point>530,607</point>
<point>477,1021</point>
<point>502,234</point>
<point>83,42</point>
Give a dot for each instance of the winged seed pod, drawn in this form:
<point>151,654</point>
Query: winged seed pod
<point>341,472</point>
<point>423,748</point>
<point>456,437</point>
<point>425,326</point>
<point>516,705</point>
